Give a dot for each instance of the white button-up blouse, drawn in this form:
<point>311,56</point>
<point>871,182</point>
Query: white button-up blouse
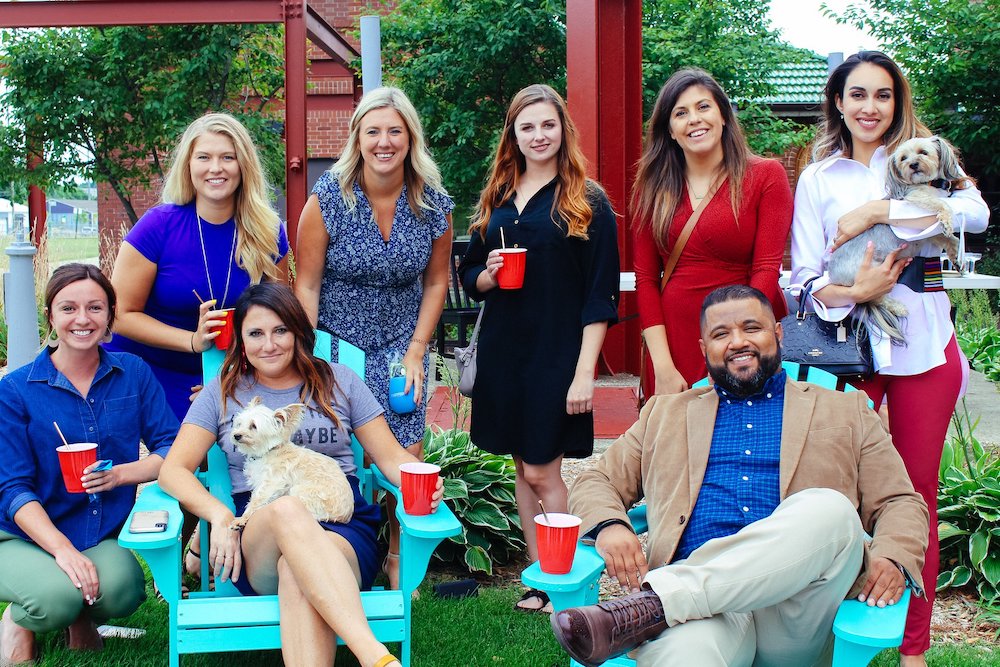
<point>830,188</point>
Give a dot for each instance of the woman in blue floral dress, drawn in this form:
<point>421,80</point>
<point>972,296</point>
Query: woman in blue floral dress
<point>374,243</point>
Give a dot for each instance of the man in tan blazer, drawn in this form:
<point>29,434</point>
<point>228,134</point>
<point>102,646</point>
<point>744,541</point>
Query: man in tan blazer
<point>759,493</point>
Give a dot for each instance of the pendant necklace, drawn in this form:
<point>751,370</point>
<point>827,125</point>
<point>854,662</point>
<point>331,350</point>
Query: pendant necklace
<point>229,262</point>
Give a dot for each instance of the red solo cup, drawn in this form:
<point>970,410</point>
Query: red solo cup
<point>556,541</point>
<point>72,460</point>
<point>511,274</point>
<point>225,336</point>
<point>419,481</point>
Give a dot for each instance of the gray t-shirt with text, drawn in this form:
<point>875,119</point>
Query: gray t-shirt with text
<point>353,403</point>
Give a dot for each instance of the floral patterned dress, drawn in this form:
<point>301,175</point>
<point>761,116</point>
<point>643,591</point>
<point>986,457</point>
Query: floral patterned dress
<point>372,288</point>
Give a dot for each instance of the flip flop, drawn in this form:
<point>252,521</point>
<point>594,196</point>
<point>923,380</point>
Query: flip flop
<point>544,608</point>
<point>386,659</point>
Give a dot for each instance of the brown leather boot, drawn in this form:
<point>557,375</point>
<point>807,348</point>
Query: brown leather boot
<point>596,633</point>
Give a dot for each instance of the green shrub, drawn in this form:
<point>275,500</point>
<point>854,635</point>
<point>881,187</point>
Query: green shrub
<point>479,488</point>
<point>977,332</point>
<point>969,514</point>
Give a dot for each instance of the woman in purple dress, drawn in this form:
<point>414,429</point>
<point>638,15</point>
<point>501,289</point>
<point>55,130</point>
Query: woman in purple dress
<point>214,234</point>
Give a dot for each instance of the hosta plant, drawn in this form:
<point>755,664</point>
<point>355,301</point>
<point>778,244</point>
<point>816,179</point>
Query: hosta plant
<point>479,488</point>
<point>969,513</point>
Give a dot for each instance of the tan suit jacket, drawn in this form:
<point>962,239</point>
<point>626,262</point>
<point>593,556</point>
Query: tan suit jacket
<point>829,440</point>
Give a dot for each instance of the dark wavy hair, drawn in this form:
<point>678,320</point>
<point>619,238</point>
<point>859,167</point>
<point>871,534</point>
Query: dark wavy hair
<point>318,381</point>
<point>833,134</point>
<point>67,274</point>
<point>661,170</point>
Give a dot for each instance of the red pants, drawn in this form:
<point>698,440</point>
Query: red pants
<point>920,408</point>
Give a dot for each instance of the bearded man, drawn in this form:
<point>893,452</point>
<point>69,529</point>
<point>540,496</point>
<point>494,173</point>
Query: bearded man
<point>759,493</point>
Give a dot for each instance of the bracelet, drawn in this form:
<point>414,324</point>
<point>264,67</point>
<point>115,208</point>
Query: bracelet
<point>420,340</point>
<point>193,334</point>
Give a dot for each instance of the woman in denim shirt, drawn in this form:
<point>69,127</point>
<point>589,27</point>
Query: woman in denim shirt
<point>62,566</point>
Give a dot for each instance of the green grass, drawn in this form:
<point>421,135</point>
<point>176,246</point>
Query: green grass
<point>65,250</point>
<point>481,631</point>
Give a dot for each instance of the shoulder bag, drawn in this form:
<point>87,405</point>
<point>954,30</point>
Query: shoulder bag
<point>465,358</point>
<point>668,268</point>
<point>841,348</point>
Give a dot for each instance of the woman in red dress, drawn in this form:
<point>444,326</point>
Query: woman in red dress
<point>695,150</point>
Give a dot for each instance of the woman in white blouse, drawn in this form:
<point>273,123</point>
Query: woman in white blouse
<point>868,112</point>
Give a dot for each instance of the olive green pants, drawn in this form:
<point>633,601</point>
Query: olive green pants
<point>43,598</point>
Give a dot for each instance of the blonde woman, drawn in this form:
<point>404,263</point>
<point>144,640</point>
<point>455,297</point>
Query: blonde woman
<point>374,243</point>
<point>214,234</point>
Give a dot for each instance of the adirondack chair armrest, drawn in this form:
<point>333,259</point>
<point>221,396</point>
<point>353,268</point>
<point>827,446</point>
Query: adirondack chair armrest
<point>161,551</point>
<point>440,524</point>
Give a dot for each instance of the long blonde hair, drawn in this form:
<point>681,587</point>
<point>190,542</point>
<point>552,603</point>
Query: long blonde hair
<point>419,168</point>
<point>833,134</point>
<point>571,201</point>
<point>257,223</point>
<point>660,174</point>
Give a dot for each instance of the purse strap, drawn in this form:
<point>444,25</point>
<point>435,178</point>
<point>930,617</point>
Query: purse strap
<point>800,313</point>
<point>475,329</point>
<point>682,240</point>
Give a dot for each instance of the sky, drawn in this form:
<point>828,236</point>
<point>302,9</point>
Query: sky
<point>802,24</point>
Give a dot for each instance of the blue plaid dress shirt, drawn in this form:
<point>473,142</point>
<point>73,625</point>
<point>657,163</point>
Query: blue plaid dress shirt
<point>742,480</point>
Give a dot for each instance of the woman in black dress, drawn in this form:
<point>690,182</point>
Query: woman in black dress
<point>539,344</point>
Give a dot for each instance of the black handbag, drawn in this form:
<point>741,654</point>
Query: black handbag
<point>840,348</point>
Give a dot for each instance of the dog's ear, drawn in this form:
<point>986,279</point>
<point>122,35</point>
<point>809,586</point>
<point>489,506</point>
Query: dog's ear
<point>895,182</point>
<point>254,401</point>
<point>947,160</point>
<point>290,417</point>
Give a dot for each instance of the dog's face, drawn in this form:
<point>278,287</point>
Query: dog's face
<point>258,429</point>
<point>918,160</point>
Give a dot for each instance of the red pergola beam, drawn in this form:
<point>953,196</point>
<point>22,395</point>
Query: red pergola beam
<point>92,13</point>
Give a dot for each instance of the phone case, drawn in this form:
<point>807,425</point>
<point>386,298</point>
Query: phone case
<point>148,521</point>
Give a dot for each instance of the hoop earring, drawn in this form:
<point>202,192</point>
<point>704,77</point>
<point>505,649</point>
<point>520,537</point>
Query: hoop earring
<point>108,336</point>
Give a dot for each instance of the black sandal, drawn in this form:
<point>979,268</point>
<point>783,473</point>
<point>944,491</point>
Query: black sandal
<point>544,608</point>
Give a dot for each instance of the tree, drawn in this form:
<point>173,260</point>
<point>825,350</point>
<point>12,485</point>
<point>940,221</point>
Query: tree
<point>460,62</point>
<point>950,51</point>
<point>109,103</point>
<point>734,42</point>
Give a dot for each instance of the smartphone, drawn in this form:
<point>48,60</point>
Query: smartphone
<point>148,521</point>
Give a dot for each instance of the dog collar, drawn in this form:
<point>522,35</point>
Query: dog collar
<point>950,186</point>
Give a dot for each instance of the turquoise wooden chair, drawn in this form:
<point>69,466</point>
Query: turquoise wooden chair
<point>209,621</point>
<point>860,631</point>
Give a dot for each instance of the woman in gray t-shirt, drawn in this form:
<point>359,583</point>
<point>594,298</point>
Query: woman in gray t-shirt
<point>317,569</point>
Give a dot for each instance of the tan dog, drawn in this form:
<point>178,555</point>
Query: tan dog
<point>919,170</point>
<point>277,467</point>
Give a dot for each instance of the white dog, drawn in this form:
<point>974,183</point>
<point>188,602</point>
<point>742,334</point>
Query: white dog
<point>277,467</point>
<point>919,171</point>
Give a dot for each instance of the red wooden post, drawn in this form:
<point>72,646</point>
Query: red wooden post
<point>37,212</point>
<point>604,93</point>
<point>295,115</point>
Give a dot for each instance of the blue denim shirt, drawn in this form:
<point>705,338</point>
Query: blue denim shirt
<point>742,481</point>
<point>125,404</point>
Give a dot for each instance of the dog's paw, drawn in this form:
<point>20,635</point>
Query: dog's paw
<point>239,524</point>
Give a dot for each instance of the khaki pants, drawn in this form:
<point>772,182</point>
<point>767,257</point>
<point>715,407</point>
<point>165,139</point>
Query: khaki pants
<point>42,596</point>
<point>764,596</point>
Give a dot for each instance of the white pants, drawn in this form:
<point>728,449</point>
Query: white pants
<point>764,596</point>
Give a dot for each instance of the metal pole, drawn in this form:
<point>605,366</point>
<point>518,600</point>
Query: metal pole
<point>371,53</point>
<point>20,308</point>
